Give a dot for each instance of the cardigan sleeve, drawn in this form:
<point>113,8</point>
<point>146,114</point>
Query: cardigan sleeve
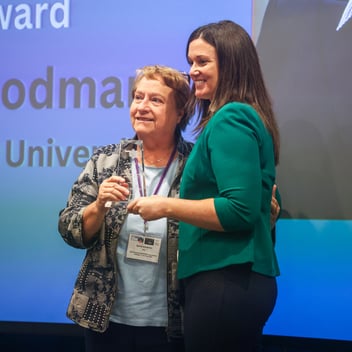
<point>84,191</point>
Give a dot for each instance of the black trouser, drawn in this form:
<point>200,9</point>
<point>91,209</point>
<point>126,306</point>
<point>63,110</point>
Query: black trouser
<point>226,309</point>
<point>125,338</point>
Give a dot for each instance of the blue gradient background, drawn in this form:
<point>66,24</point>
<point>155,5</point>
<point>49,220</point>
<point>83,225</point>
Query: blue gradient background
<point>105,39</point>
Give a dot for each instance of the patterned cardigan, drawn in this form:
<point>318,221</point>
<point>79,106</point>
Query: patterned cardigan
<point>96,285</point>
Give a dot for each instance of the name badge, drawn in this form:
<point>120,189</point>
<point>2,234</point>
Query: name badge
<point>144,248</point>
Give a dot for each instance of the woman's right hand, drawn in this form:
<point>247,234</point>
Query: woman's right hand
<point>114,189</point>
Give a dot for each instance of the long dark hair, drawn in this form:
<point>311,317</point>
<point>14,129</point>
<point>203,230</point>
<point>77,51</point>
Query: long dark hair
<point>240,76</point>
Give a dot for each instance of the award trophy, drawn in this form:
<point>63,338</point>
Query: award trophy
<point>130,161</point>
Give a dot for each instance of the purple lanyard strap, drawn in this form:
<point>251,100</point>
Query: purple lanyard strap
<point>143,194</point>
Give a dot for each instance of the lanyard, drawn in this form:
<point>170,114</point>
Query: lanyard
<point>143,194</point>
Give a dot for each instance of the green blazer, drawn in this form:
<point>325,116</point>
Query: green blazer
<point>232,162</point>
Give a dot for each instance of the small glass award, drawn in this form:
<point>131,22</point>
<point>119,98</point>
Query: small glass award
<point>130,155</point>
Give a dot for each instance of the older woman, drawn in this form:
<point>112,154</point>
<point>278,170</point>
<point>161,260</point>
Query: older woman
<point>129,304</point>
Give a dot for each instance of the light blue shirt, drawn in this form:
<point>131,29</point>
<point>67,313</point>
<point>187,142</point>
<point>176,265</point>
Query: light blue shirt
<point>142,298</point>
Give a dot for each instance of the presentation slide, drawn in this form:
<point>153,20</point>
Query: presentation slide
<point>66,73</point>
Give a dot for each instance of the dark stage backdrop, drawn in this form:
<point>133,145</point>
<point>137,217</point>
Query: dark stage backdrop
<point>65,76</point>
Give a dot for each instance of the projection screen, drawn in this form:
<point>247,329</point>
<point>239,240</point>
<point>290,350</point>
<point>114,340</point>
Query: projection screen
<point>65,80</point>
